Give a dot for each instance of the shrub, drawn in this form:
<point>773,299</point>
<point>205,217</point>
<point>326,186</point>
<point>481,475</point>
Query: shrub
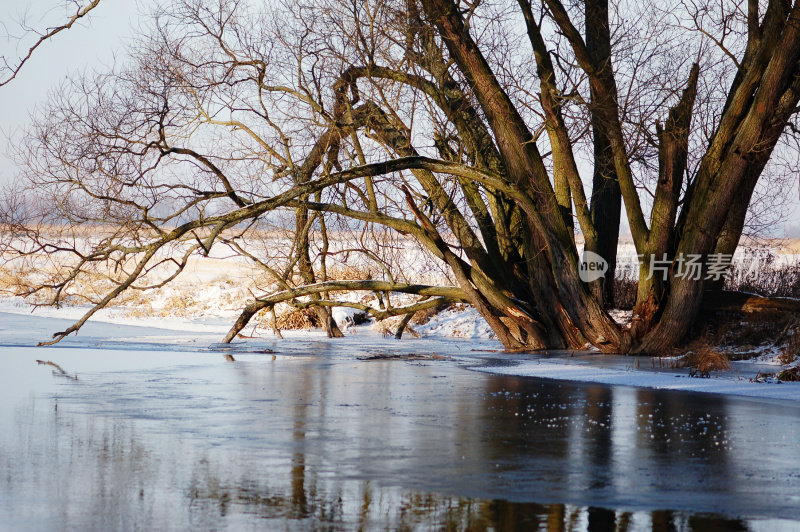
<point>705,359</point>
<point>299,318</point>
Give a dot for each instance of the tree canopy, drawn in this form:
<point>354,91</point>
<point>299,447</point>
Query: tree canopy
<point>467,126</point>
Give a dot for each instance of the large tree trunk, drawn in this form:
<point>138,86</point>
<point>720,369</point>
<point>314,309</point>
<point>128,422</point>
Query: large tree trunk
<point>748,132</point>
<point>540,301</point>
<point>606,196</point>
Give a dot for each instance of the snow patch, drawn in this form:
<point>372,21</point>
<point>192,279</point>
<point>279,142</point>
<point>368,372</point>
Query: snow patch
<point>457,322</point>
<point>346,316</point>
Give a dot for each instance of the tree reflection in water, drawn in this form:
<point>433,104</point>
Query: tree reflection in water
<point>314,443</point>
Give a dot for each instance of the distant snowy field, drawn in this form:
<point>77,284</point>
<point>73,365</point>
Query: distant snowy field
<point>195,312</point>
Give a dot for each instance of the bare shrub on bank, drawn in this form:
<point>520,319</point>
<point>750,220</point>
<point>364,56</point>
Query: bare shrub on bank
<point>771,281</point>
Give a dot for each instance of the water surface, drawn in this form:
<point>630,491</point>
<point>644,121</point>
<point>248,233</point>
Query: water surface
<point>305,438</point>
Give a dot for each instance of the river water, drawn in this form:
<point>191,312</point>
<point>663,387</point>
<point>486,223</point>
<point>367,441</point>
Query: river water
<point>312,439</point>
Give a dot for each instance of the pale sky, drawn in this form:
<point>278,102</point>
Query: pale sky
<point>87,45</point>
<point>95,44</point>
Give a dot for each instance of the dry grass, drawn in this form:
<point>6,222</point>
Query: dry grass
<point>748,330</point>
<point>766,280</point>
<point>791,245</point>
<point>789,375</point>
<point>705,359</point>
<point>13,281</point>
<point>625,293</point>
<point>786,357</point>
<point>177,305</point>
<point>388,327</point>
<point>87,287</point>
<point>298,318</point>
<point>345,272</point>
<point>738,337</point>
<point>791,349</point>
<point>421,317</point>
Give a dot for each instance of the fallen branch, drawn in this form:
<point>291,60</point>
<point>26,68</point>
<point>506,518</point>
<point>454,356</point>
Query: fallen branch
<point>440,295</point>
<point>728,301</point>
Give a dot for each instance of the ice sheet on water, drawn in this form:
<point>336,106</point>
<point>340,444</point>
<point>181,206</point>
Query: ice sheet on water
<point>196,336</point>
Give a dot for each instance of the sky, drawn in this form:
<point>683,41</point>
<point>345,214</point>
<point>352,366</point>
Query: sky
<point>96,44</point>
<point>92,44</point>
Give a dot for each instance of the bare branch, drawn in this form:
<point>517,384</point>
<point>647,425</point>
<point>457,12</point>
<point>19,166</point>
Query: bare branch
<point>47,35</point>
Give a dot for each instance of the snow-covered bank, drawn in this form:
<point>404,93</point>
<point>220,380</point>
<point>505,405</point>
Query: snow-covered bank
<point>22,326</point>
<point>561,369</point>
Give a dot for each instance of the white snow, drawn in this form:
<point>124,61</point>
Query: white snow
<point>457,322</point>
<point>344,316</point>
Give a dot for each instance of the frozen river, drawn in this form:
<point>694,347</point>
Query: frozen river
<point>319,436</point>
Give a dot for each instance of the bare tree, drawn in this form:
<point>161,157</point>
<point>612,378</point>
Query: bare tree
<point>425,118</point>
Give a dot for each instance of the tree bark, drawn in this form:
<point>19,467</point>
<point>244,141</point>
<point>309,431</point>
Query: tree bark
<point>606,205</point>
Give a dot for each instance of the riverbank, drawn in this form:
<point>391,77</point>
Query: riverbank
<point>459,331</point>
